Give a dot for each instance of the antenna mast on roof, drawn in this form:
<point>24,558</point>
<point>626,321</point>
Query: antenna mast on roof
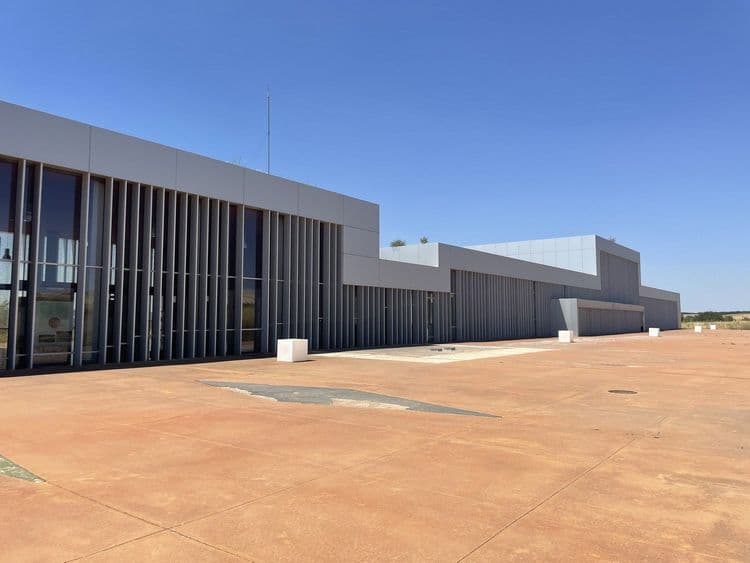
<point>268,130</point>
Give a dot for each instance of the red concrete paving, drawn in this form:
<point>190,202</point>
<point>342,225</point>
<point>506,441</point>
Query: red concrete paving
<point>149,464</point>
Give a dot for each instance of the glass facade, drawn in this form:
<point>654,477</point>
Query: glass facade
<point>97,270</point>
<point>253,232</point>
<point>8,183</point>
<point>59,229</point>
<point>251,280</point>
<point>92,296</point>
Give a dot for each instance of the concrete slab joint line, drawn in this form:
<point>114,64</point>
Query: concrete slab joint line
<point>548,498</point>
<point>10,469</point>
<point>340,397</point>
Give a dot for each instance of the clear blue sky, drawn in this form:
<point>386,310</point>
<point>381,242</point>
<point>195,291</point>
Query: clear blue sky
<point>468,122</point>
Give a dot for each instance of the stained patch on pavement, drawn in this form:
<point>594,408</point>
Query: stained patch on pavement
<point>10,469</point>
<point>339,397</point>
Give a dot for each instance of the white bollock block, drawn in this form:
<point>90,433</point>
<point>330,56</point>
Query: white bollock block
<point>291,350</point>
<point>565,336</point>
<point>712,327</point>
<point>698,328</point>
<point>654,332</point>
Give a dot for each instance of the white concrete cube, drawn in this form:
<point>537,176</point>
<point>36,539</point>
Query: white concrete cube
<point>654,332</point>
<point>698,328</point>
<point>712,327</point>
<point>565,336</point>
<point>291,350</point>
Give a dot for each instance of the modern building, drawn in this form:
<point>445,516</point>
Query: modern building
<point>118,250</point>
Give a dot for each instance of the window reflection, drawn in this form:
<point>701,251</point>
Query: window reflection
<point>4,310</point>
<point>91,317</point>
<point>251,304</point>
<point>28,211</point>
<point>53,324</point>
<point>60,218</point>
<point>53,277</point>
<point>58,251</point>
<point>95,234</point>
<point>7,214</point>
<point>250,315</point>
<point>251,284</point>
<point>252,248</point>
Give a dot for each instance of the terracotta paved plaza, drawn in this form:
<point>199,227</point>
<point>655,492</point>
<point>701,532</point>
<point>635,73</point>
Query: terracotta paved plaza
<point>151,464</point>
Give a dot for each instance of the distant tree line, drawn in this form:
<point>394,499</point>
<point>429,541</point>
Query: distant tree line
<point>707,316</point>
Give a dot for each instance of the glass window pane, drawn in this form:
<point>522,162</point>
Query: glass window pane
<point>154,197</point>
<point>91,316</point>
<point>111,304</point>
<point>28,211</point>
<point>60,218</point>
<point>4,308</point>
<point>114,251</point>
<point>249,341</point>
<point>230,303</point>
<point>232,249</point>
<point>252,243</point>
<point>53,326</point>
<point>7,215</point>
<point>251,304</point>
<point>282,244</point>
<point>95,232</point>
<point>90,357</point>
<point>53,273</point>
<point>6,267</point>
<point>130,210</point>
<point>231,350</point>
<point>141,263</point>
<point>125,314</point>
<point>138,292</point>
<point>193,234</point>
<point>168,197</point>
<point>181,232</point>
<point>21,326</point>
<point>213,233</point>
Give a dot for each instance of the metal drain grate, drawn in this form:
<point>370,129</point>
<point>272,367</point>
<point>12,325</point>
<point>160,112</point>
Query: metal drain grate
<point>623,391</point>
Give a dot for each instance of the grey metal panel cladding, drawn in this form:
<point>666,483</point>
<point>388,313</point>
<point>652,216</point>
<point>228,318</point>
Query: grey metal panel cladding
<point>544,293</point>
<point>379,316</point>
<point>305,296</point>
<point>595,322</point>
<point>661,313</point>
<point>42,137</point>
<point>620,279</point>
<point>305,260</point>
<point>38,136</point>
<point>490,307</point>
<point>171,290</point>
<point>581,293</point>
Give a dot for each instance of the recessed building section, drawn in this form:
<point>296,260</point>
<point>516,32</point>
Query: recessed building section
<point>117,250</point>
<point>585,317</point>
